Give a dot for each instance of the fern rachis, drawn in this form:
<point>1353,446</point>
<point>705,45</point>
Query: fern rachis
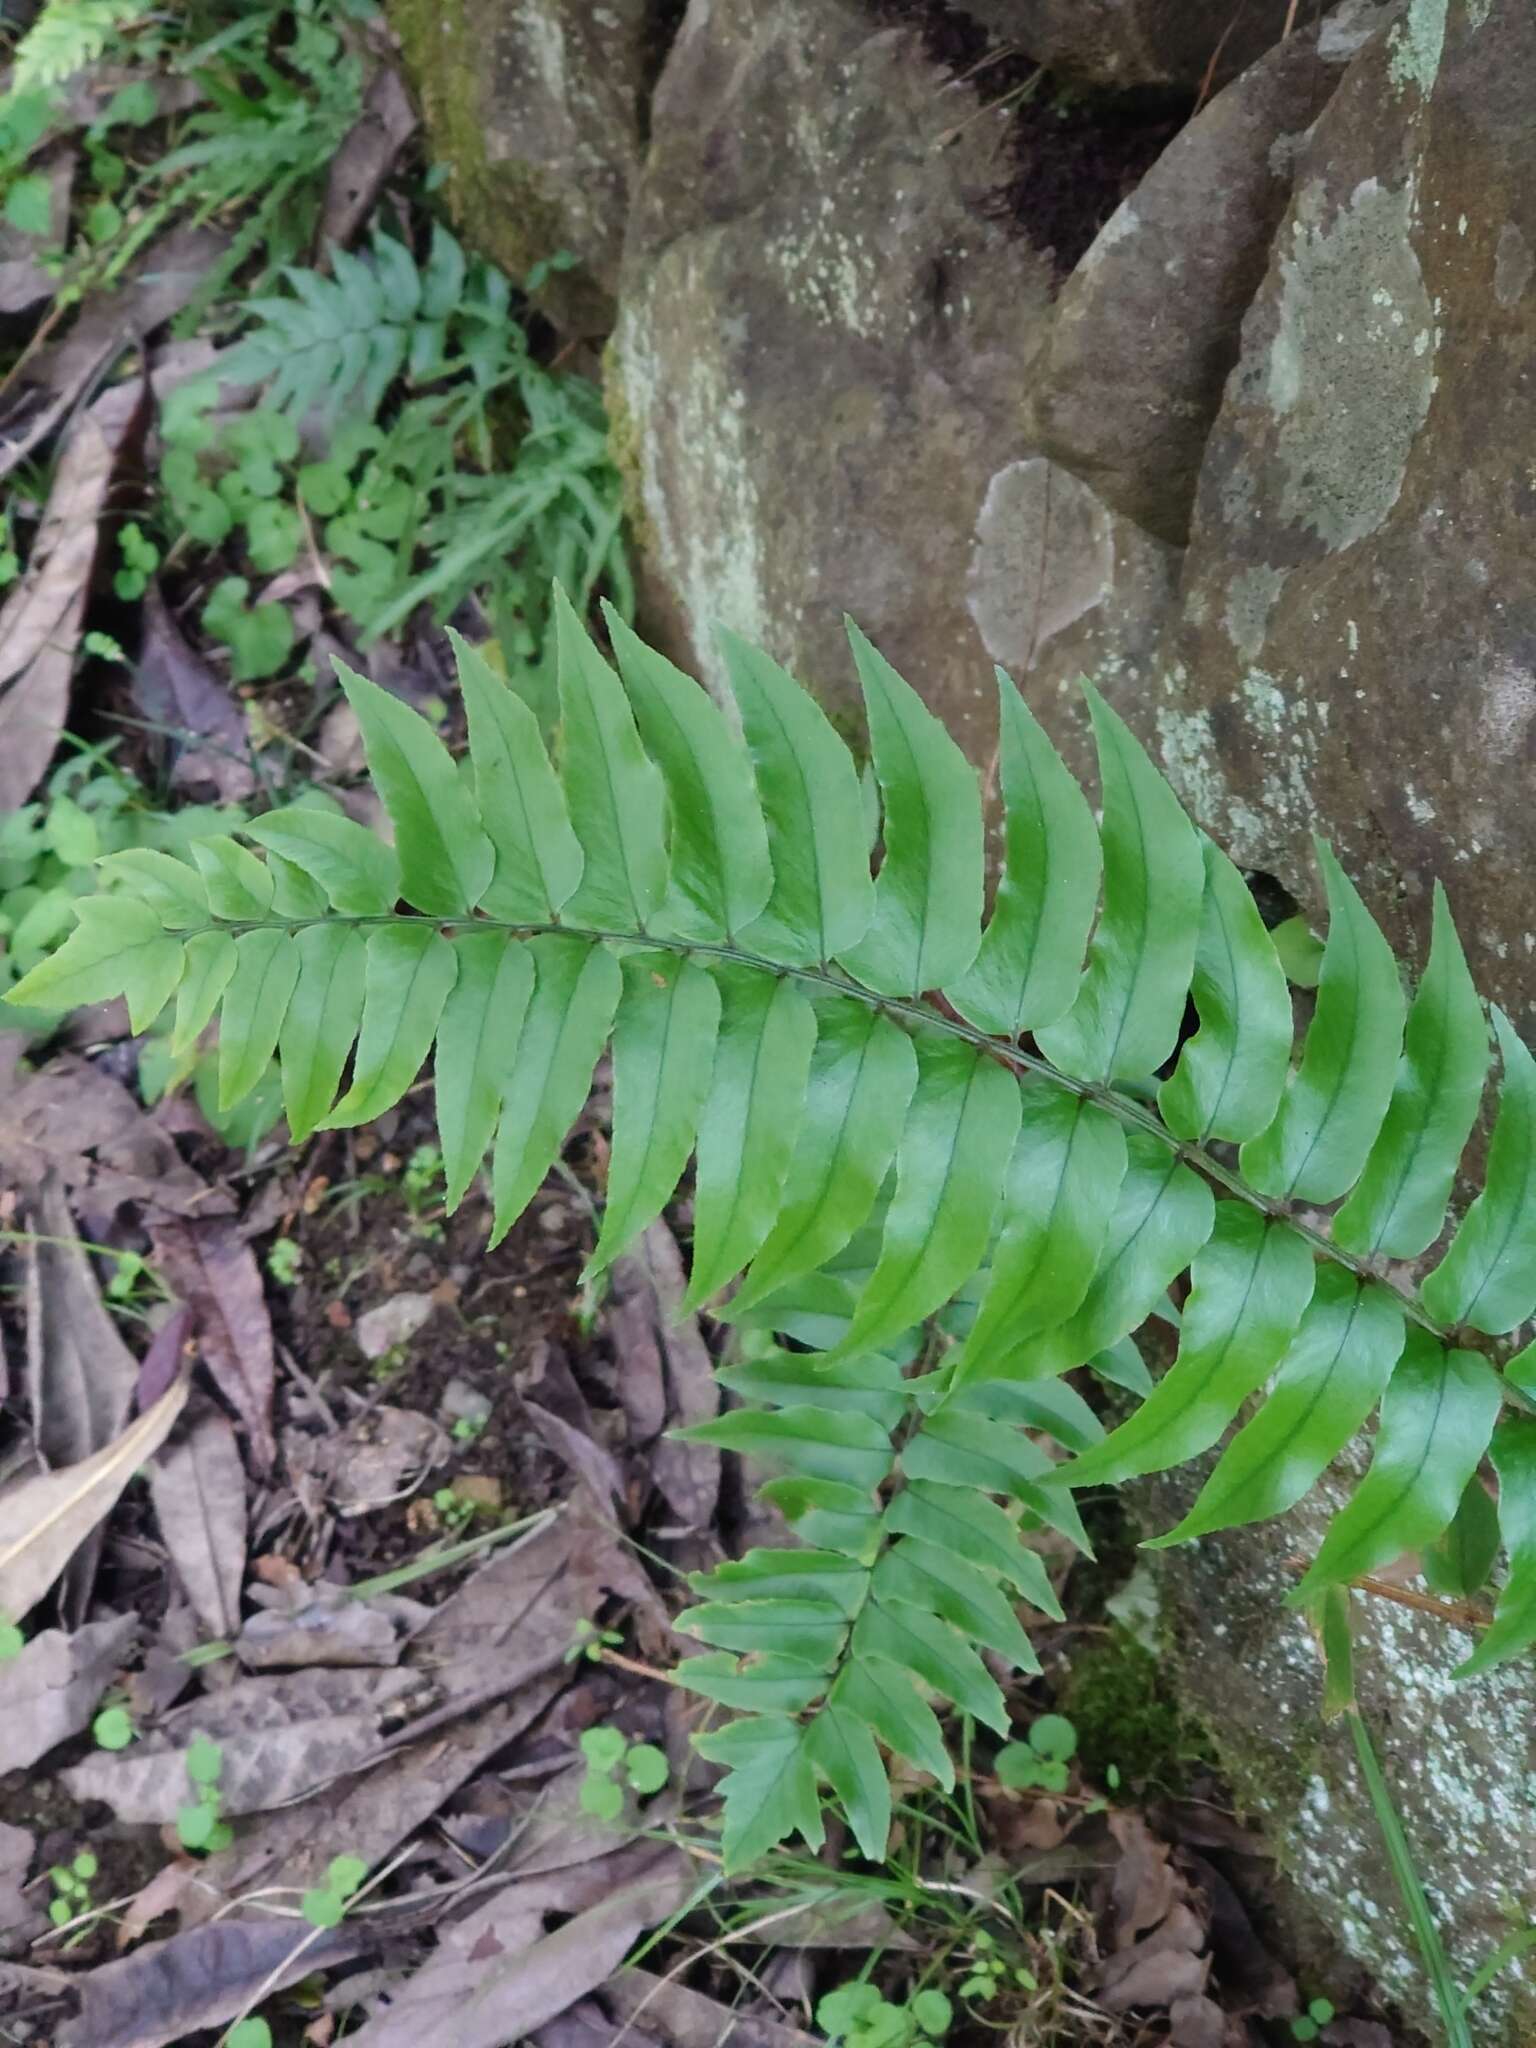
<point>875,1158</point>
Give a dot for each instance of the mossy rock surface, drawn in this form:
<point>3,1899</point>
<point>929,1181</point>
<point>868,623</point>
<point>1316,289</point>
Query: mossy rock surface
<point>536,108</point>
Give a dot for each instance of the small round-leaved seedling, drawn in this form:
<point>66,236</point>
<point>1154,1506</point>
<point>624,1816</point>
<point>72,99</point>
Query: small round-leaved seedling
<point>113,1728</point>
<point>601,1797</point>
<point>932,2011</point>
<point>251,2033</point>
<point>344,1874</point>
<point>603,1748</point>
<point>1311,2023</point>
<point>12,1641</point>
<point>322,1908</point>
<point>205,1761</point>
<point>646,1768</point>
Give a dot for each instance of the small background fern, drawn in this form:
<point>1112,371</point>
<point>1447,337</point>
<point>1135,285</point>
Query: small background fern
<point>958,1199</point>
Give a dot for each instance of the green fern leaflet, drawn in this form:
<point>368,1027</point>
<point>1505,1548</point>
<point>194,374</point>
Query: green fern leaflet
<point>904,1114</point>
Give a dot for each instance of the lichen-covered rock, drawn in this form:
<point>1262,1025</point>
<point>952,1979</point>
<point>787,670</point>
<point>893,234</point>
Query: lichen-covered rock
<point>820,363</point>
<point>1356,649</point>
<point>1147,327</point>
<point>1460,1758</point>
<point>535,106</point>
<point>1167,45</point>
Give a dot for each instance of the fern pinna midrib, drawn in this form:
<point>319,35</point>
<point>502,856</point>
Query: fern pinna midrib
<point>998,1165</point>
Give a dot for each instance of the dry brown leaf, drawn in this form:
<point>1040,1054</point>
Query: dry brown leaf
<point>335,1632</point>
<point>687,1474</point>
<point>50,1691</point>
<point>45,1519</point>
<point>41,621</point>
<point>197,1484</point>
<point>19,1915</point>
<point>508,1628</point>
<point>689,2019</point>
<point>484,1992</point>
<point>1144,1885</point>
<point>1153,1977</point>
<point>177,691</point>
<point>281,1737</point>
<point>171,1990</point>
<point>213,1270</point>
<point>72,1119</point>
<point>365,159</point>
<point>80,1373</point>
<point>1197,2022</point>
<point>162,1895</point>
<point>110,322</point>
<point>382,1456</point>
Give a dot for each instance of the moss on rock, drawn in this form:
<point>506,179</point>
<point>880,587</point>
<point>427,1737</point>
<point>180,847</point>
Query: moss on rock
<point>535,112</point>
<point>1123,1702</point>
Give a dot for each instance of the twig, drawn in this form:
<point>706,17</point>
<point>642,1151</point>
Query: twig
<point>280,1969</point>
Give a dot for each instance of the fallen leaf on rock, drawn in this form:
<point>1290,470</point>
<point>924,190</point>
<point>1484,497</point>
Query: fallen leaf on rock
<point>42,620</point>
<point>365,159</point>
<point>282,1738</point>
<point>44,1519</point>
<point>197,1485</point>
<point>171,1990</point>
<point>213,1270</point>
<point>176,690</point>
<point>50,1691</point>
<point>393,1322</point>
<point>483,1992</point>
<point>380,1457</point>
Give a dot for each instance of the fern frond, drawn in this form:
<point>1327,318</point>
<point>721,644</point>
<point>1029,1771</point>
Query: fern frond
<point>873,1153</point>
<point>66,36</point>
<point>336,344</point>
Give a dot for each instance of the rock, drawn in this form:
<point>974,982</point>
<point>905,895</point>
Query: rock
<point>1457,1756</point>
<point>1153,45</point>
<point>819,367</point>
<point>393,1322</point>
<point>1147,327</point>
<point>1356,650</point>
<point>462,1402</point>
<point>537,108</point>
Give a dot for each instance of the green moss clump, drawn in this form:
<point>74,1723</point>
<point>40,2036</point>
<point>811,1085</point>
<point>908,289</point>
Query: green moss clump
<point>1122,1702</point>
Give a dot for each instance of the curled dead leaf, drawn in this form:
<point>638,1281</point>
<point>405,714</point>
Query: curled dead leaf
<point>44,1519</point>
